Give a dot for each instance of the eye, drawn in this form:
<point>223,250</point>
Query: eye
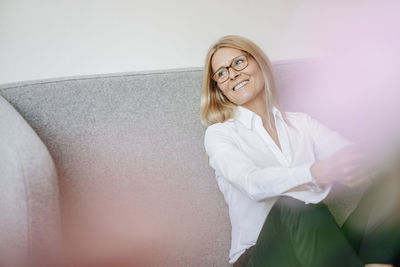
<point>221,72</point>
<point>239,61</point>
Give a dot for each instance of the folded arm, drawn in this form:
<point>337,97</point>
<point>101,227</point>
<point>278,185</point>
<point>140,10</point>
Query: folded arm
<point>258,183</point>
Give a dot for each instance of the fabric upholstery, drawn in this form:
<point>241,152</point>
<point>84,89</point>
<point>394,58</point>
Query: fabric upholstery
<point>29,204</point>
<point>133,173</point>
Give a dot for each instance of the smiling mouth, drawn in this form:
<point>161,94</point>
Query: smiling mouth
<point>240,85</point>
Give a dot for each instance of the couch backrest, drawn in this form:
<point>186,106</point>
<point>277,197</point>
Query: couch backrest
<point>132,168</point>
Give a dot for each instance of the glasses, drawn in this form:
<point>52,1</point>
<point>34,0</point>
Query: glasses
<point>238,63</point>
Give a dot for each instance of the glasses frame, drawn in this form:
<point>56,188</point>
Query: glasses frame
<point>231,66</point>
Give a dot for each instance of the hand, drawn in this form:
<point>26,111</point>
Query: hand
<point>347,166</point>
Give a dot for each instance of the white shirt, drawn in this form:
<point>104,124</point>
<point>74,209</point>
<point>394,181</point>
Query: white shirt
<point>252,172</point>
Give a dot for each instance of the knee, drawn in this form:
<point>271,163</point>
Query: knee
<point>292,205</point>
<point>291,208</point>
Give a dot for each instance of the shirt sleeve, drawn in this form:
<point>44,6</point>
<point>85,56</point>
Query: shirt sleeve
<point>226,158</point>
<point>326,142</point>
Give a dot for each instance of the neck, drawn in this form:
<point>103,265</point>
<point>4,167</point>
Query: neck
<point>259,107</point>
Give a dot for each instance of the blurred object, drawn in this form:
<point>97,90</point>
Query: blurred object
<point>360,74</point>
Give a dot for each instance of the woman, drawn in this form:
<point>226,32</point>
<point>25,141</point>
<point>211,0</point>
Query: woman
<point>270,165</point>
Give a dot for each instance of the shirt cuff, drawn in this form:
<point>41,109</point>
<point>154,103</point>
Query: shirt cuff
<point>303,173</point>
<point>313,186</point>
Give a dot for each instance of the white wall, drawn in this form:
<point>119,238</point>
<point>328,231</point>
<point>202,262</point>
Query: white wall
<point>52,38</point>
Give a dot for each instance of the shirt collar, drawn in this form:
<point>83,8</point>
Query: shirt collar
<point>247,116</point>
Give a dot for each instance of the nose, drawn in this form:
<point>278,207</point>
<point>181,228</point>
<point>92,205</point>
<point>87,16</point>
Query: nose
<point>233,73</point>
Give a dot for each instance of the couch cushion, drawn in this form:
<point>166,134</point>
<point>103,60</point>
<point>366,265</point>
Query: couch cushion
<point>29,207</point>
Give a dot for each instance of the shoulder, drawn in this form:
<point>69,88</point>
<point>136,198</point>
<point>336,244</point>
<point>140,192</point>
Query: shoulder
<point>305,123</point>
<point>297,116</point>
<point>220,129</point>
<point>306,120</point>
<point>220,133</point>
<point>298,119</point>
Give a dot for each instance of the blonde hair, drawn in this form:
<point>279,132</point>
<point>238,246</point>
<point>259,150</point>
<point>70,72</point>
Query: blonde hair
<point>215,106</point>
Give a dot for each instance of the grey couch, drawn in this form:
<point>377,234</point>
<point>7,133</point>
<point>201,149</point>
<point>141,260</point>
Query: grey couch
<point>111,170</point>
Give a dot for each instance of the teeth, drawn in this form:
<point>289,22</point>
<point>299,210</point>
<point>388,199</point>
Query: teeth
<point>240,85</point>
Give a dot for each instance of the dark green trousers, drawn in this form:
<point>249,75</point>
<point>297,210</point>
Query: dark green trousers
<point>299,234</point>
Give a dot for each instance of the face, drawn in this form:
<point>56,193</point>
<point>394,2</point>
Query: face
<point>244,87</point>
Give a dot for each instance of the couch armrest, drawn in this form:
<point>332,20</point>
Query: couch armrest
<point>29,201</point>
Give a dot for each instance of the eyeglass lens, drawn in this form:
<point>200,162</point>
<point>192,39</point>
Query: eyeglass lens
<point>238,63</point>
